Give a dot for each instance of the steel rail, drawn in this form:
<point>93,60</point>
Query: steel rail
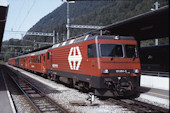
<point>30,101</point>
<point>47,97</point>
<point>152,107</point>
<point>138,106</point>
<point>38,91</point>
<point>13,106</point>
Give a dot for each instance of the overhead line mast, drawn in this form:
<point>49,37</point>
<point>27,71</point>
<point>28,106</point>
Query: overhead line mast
<point>37,34</point>
<point>68,26</point>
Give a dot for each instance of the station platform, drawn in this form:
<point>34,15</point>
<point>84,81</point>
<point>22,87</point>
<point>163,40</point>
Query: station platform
<point>155,95</point>
<point>155,89</point>
<point>6,104</point>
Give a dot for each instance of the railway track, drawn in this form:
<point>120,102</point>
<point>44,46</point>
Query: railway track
<point>138,106</point>
<point>39,100</point>
<point>130,104</point>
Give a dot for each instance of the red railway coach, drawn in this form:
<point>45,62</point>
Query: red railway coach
<point>36,61</point>
<point>11,61</point>
<point>107,65</point>
<point>22,61</point>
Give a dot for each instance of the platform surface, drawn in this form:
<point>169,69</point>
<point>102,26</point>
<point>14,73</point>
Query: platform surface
<point>155,95</point>
<point>5,106</point>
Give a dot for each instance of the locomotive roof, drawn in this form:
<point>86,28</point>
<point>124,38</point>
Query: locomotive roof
<point>88,37</point>
<point>77,40</point>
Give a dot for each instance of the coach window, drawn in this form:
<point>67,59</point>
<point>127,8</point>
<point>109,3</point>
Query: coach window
<point>39,59</point>
<point>48,56</point>
<point>35,59</point>
<point>92,51</point>
<point>44,58</point>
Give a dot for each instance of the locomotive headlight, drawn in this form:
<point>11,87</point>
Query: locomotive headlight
<point>117,37</point>
<point>136,70</point>
<point>105,71</point>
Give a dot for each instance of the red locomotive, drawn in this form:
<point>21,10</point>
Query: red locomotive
<point>107,65</point>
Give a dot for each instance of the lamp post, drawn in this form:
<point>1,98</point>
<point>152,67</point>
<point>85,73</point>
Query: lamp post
<point>68,21</point>
<point>156,8</point>
<point>156,4</point>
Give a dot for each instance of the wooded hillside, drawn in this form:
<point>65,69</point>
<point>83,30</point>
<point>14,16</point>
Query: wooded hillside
<point>99,13</point>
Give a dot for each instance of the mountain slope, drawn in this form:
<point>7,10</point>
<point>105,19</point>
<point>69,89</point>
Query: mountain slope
<point>90,13</point>
<point>84,13</point>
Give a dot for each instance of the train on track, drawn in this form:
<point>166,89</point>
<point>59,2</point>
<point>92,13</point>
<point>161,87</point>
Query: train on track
<point>155,58</point>
<point>107,65</point>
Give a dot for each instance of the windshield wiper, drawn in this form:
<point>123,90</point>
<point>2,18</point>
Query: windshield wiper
<point>133,57</point>
<point>111,58</point>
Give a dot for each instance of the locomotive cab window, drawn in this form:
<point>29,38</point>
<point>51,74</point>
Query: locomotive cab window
<point>92,51</point>
<point>111,50</point>
<point>131,51</point>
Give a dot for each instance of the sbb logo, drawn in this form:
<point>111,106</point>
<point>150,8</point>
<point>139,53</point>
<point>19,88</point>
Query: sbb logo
<point>74,58</point>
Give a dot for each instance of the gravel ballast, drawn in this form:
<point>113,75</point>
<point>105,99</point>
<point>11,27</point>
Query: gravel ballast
<point>73,99</point>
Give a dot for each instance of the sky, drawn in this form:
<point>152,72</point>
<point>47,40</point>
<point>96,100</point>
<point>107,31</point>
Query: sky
<point>23,14</point>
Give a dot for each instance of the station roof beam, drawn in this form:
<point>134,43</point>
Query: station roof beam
<point>150,25</point>
<point>3,15</point>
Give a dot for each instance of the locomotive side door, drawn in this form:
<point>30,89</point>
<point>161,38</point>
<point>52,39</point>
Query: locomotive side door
<point>92,57</point>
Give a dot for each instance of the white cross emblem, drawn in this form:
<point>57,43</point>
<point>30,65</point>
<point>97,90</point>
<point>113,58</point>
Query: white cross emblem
<point>74,58</point>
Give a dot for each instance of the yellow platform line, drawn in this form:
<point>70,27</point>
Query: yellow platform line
<point>159,94</point>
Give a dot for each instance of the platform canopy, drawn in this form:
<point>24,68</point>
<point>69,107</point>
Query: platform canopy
<point>150,25</point>
<point>3,15</point>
